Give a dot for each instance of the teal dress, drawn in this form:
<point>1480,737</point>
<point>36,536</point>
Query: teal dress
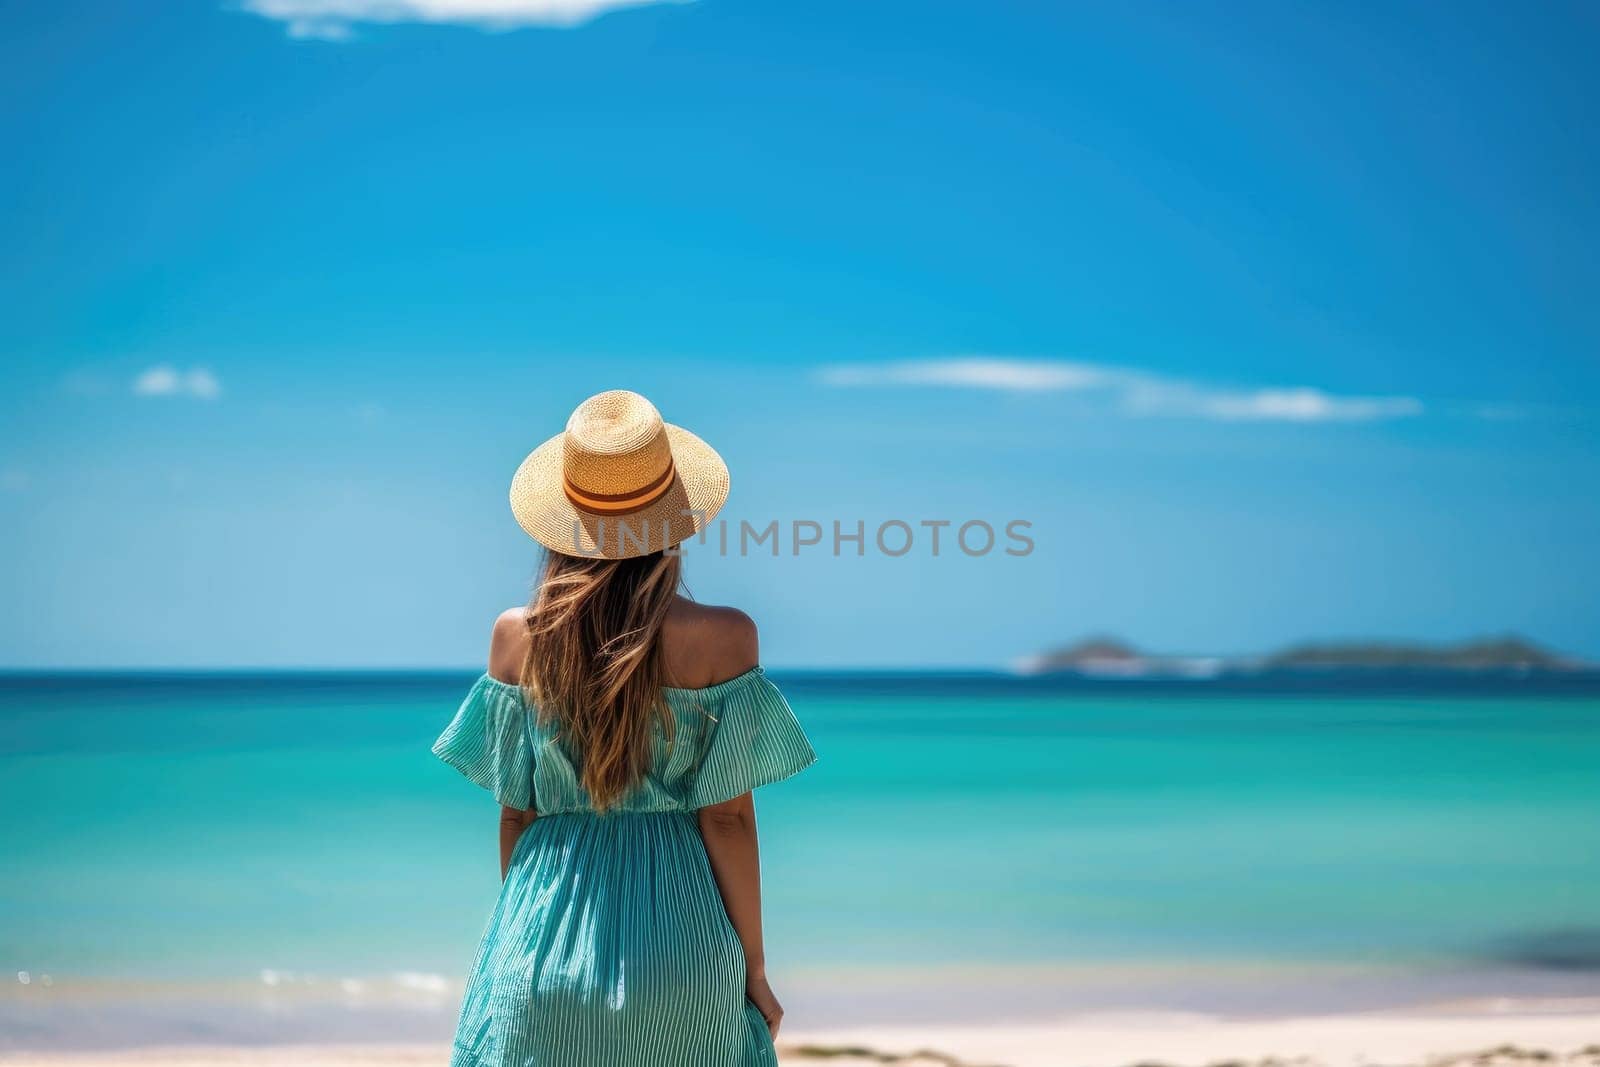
<point>609,945</point>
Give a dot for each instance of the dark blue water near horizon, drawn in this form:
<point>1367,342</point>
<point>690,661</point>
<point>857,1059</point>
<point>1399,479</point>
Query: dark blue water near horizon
<point>1583,683</point>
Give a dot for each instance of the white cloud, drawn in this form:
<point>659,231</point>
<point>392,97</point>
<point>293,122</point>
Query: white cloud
<point>319,30</point>
<point>973,373</point>
<point>1129,391</point>
<point>167,380</point>
<point>335,20</point>
<point>1293,404</point>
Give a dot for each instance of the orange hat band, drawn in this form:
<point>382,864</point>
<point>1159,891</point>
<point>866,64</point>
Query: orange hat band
<point>620,503</point>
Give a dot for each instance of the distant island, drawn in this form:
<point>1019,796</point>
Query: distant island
<point>1111,657</point>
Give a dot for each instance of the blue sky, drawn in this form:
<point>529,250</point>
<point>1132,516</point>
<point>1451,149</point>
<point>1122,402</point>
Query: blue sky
<point>1275,320</point>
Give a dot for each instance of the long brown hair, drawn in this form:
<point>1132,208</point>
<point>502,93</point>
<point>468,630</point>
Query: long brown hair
<point>594,664</point>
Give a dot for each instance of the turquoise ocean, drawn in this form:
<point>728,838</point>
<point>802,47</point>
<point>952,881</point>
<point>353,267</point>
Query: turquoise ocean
<point>213,856</point>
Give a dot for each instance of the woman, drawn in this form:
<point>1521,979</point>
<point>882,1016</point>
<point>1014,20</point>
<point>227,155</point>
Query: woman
<point>622,728</point>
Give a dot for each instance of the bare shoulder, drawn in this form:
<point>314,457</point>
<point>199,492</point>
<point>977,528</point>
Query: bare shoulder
<point>508,645</point>
<point>735,634</point>
<point>706,644</point>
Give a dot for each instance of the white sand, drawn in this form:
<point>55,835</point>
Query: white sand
<point>1568,1032</point>
<point>1336,1041</point>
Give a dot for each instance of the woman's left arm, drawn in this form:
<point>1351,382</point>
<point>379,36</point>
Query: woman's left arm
<point>508,648</point>
<point>512,822</point>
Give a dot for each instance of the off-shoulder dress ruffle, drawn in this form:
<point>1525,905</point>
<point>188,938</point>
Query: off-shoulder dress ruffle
<point>489,742</point>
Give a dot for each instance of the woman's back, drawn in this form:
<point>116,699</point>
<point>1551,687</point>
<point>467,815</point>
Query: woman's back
<point>610,942</point>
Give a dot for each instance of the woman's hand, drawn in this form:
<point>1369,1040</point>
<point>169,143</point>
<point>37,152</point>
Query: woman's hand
<point>760,994</point>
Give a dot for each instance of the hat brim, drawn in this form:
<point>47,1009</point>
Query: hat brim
<point>540,503</point>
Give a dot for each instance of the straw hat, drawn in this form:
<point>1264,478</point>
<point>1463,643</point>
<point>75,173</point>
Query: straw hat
<point>618,482</point>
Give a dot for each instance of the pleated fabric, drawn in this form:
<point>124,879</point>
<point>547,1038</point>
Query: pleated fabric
<point>609,945</point>
<point>490,741</point>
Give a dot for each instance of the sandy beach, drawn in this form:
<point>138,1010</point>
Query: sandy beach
<point>1480,1035</point>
